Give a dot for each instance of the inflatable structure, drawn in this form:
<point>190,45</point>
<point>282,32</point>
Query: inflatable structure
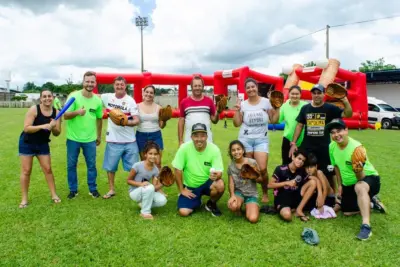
<point>328,71</point>
<point>357,92</point>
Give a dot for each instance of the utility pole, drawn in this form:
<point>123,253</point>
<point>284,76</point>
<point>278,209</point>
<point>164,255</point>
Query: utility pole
<point>327,41</point>
<point>141,22</point>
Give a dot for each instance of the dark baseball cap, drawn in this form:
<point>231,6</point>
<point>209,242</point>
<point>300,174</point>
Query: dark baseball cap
<point>199,128</point>
<point>318,87</point>
<point>335,124</point>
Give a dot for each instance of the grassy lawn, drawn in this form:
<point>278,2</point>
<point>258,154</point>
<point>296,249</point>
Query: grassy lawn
<point>87,231</point>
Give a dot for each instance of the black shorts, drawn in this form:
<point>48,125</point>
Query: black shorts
<point>349,196</point>
<point>291,199</point>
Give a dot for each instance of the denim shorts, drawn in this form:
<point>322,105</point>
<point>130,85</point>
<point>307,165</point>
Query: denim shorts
<point>128,152</point>
<point>142,138</point>
<point>256,144</point>
<point>26,149</point>
<point>247,200</point>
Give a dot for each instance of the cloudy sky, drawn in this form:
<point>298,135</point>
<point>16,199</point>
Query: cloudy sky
<point>53,40</point>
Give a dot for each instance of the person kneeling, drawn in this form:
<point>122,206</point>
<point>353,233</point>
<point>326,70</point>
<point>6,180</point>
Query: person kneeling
<point>144,186</point>
<point>359,184</point>
<point>242,191</point>
<point>200,164</point>
<point>293,188</point>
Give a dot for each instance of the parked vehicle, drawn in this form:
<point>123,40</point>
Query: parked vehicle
<point>380,111</point>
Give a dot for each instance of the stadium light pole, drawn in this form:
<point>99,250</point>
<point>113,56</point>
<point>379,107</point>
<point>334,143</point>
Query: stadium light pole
<point>141,22</point>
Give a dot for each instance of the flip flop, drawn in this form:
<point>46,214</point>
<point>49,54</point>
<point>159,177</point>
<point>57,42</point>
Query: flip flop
<point>56,200</point>
<point>23,205</point>
<point>108,195</point>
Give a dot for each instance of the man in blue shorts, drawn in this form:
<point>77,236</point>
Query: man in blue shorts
<point>200,164</point>
<point>121,140</point>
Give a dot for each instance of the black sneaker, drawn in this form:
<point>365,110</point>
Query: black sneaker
<point>365,232</point>
<point>72,194</point>
<point>94,194</point>
<point>212,207</point>
<point>377,204</point>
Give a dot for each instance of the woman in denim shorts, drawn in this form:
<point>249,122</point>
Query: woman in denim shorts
<point>149,128</point>
<point>34,142</point>
<point>253,116</point>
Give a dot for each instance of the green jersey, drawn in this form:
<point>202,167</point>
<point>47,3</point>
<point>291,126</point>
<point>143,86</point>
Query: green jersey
<point>83,129</point>
<point>57,103</point>
<point>288,114</point>
<point>196,165</point>
<point>342,159</point>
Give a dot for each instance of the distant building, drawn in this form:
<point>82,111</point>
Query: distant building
<point>385,85</point>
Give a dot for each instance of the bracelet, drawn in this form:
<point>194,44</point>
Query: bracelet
<point>292,143</point>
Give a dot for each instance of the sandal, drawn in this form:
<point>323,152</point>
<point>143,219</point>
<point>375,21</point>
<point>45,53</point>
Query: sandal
<point>23,205</point>
<point>56,200</point>
<point>108,195</point>
<point>147,216</point>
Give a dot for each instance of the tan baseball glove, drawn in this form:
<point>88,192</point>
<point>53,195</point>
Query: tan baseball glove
<point>221,102</point>
<point>358,158</point>
<point>336,90</point>
<point>118,117</point>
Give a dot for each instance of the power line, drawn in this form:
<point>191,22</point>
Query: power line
<point>311,33</point>
<point>364,21</point>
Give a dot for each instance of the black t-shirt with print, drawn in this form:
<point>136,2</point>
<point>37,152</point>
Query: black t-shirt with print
<point>282,173</point>
<point>314,120</point>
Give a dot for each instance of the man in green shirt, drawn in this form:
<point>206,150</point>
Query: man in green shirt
<point>84,123</point>
<point>357,189</point>
<point>57,103</point>
<point>198,170</point>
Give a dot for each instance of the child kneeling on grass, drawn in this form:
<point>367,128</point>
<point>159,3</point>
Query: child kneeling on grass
<point>293,188</point>
<point>145,188</point>
<point>242,191</point>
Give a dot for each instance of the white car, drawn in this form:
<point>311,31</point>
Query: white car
<point>380,111</point>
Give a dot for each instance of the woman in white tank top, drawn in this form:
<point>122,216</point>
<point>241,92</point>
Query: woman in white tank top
<point>149,128</point>
<point>253,116</point>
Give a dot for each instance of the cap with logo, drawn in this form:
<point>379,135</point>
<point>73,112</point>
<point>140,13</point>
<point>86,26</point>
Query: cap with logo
<point>335,124</point>
<point>318,87</point>
<point>199,128</point>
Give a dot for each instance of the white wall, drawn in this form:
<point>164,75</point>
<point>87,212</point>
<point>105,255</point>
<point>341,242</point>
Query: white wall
<point>390,93</point>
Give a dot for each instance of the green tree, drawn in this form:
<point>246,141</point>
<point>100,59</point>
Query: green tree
<point>105,88</point>
<point>51,86</point>
<point>376,65</point>
<point>31,87</point>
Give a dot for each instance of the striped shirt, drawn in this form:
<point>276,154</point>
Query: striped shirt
<point>197,111</point>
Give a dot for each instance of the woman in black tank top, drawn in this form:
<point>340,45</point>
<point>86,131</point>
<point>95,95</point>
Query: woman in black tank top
<point>34,141</point>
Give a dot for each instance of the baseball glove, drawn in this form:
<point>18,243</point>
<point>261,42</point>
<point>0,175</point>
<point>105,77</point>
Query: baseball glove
<point>165,114</point>
<point>118,117</point>
<point>276,98</point>
<point>166,176</point>
<point>249,172</point>
<point>337,103</point>
<point>359,156</point>
<point>336,90</point>
<point>221,102</point>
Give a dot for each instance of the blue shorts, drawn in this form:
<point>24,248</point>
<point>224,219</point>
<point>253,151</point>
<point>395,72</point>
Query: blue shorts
<point>26,149</point>
<point>142,138</point>
<point>187,203</point>
<point>246,199</point>
<point>256,144</point>
<point>128,152</point>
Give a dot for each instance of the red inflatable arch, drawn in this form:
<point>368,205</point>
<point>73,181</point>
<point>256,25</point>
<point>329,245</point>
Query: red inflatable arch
<point>357,91</point>
<point>220,81</point>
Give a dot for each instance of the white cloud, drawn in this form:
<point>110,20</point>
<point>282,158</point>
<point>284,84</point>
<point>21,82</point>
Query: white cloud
<point>49,42</point>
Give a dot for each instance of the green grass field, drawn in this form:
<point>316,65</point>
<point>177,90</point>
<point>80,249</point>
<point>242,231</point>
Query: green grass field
<point>87,231</point>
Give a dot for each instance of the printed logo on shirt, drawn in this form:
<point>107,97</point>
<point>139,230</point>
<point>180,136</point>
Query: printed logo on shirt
<point>316,124</point>
<point>121,107</point>
<point>207,163</point>
<point>255,118</point>
<point>92,110</point>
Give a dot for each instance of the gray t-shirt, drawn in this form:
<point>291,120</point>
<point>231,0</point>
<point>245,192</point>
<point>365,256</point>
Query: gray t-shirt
<point>142,174</point>
<point>255,119</point>
<point>245,186</point>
